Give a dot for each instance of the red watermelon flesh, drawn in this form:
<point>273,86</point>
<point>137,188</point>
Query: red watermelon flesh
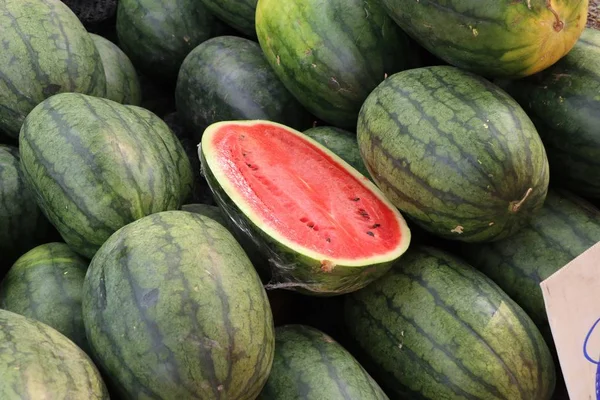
<point>304,195</point>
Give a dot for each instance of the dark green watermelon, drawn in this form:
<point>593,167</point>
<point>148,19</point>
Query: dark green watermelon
<point>454,152</point>
<point>311,365</point>
<point>22,224</point>
<point>331,55</point>
<point>38,362</point>
<point>564,103</point>
<point>158,34</point>
<point>96,165</point>
<point>493,37</point>
<point>238,14</point>
<point>436,328</point>
<point>174,309</point>
<point>122,83</point>
<point>564,228</point>
<point>342,143</point>
<point>228,78</point>
<point>45,284</point>
<point>45,50</point>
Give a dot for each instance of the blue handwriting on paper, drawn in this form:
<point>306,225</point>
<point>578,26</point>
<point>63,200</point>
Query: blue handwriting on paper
<point>590,359</point>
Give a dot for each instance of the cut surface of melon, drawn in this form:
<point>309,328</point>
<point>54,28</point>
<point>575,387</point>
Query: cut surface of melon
<point>302,194</point>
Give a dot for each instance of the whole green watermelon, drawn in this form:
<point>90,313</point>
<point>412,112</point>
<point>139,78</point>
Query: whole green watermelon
<point>454,152</point>
<point>565,227</point>
<point>436,328</point>
<point>311,365</point>
<point>228,78</point>
<point>96,165</point>
<point>38,362</point>
<point>45,284</point>
<point>22,224</point>
<point>122,83</point>
<point>158,34</point>
<point>493,38</point>
<point>45,50</point>
<point>173,309</point>
<point>331,54</point>
<point>564,103</point>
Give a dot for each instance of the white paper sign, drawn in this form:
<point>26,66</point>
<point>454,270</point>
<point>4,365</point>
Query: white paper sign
<point>572,298</point>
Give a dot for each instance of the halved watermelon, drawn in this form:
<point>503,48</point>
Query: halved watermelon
<point>325,228</point>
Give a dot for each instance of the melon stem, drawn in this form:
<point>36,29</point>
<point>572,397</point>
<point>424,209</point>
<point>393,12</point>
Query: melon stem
<point>516,206</point>
<point>558,24</point>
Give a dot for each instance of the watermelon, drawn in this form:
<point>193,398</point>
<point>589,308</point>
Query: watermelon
<point>173,308</point>
<point>45,284</point>
<point>96,165</point>
<point>564,103</point>
<point>565,227</point>
<point>237,14</point>
<point>122,83</point>
<point>341,142</point>
<point>454,152</point>
<point>45,50</point>
<point>309,364</point>
<point>38,362</point>
<point>325,228</point>
<point>493,38</point>
<point>228,78</point>
<point>212,212</point>
<point>331,55</point>
<point>436,328</point>
<point>22,224</point>
<point>200,191</point>
<point>158,34</point>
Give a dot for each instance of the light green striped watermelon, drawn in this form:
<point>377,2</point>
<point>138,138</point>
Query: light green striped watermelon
<point>45,50</point>
<point>436,328</point>
<point>38,362</point>
<point>454,152</point>
<point>173,309</point>
<point>45,284</point>
<point>122,83</point>
<point>96,165</point>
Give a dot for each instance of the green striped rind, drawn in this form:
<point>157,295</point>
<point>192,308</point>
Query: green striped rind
<point>38,362</point>
<point>342,143</point>
<point>453,152</point>
<point>564,228</point>
<point>45,284</point>
<point>174,150</point>
<point>289,268</point>
<point>157,35</point>
<point>436,328</point>
<point>564,103</point>
<point>228,78</point>
<point>44,50</point>
<point>122,83</point>
<point>197,324</point>
<point>238,14</point>
<point>212,212</point>
<point>499,38</point>
<point>22,224</point>
<point>310,365</point>
<point>96,165</point>
<point>331,55</point>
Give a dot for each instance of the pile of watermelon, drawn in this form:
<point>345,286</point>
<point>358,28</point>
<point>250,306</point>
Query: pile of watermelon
<point>308,199</point>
